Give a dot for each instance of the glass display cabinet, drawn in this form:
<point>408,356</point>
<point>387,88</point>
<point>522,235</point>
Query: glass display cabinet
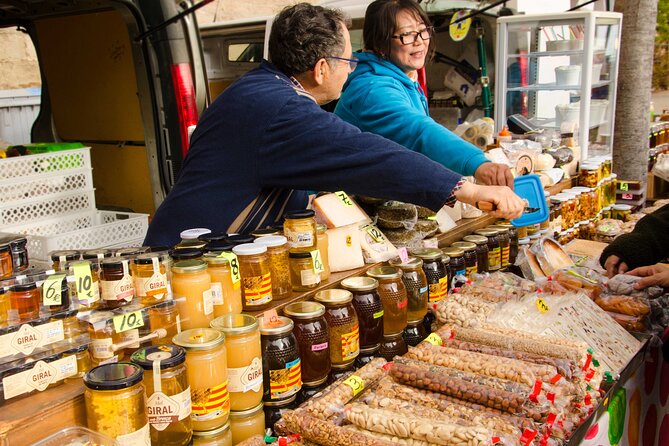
<point>558,72</point>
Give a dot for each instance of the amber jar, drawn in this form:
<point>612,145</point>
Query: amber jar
<point>191,287</point>
<point>392,345</point>
<point>4,305</point>
<point>221,436</point>
<point>102,334</point>
<point>165,315</point>
<point>313,339</point>
<point>226,289</point>
<point>116,286</point>
<point>282,377</point>
<point>85,289</point>
<point>116,403</point>
<point>513,240</point>
<point>504,244</point>
<point>60,258</point>
<point>393,297</point>
<point>168,393</point>
<point>343,324</point>
<point>471,259</point>
<point>494,251</point>
<point>481,251</point>
<point>6,262</point>
<point>19,254</point>
<point>71,327</point>
<point>303,276</point>
<point>247,423</point>
<point>274,409</point>
<point>322,243</point>
<point>95,255</point>
<point>414,333</point>
<point>368,307</point>
<point>299,228</point>
<point>25,299</point>
<point>150,278</point>
<point>277,251</point>
<point>256,276</point>
<point>436,273</point>
<point>415,282</point>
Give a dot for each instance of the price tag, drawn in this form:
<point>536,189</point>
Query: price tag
<point>375,234</point>
<point>623,186</point>
<point>402,252</point>
<point>432,217</point>
<point>355,383</point>
<point>234,265</point>
<point>542,306</point>
<point>318,263</point>
<point>434,339</point>
<point>270,318</point>
<point>128,321</point>
<point>84,281</point>
<point>51,290</point>
<point>344,198</point>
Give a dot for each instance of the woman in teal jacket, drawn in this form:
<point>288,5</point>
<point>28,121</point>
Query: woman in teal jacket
<point>383,96</point>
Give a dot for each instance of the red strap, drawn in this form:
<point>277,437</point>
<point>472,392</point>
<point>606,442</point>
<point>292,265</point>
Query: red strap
<point>527,437</point>
<point>588,360</point>
<point>551,419</point>
<point>556,379</point>
<point>536,389</point>
<point>495,440</point>
<point>550,396</point>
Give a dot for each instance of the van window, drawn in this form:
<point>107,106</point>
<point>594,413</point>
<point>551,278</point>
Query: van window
<point>245,52</point>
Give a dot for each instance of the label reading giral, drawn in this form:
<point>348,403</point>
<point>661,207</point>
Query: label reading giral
<point>243,379</point>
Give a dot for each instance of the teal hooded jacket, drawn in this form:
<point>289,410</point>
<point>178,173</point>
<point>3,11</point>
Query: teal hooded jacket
<point>379,98</point>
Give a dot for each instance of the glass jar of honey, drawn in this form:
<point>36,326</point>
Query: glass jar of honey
<point>207,367</point>
<point>457,262</point>
<point>6,262</point>
<point>226,290</point>
<point>391,346</point>
<point>494,251</point>
<point>282,377</point>
<point>150,278</point>
<point>116,404</point>
<point>83,361</point>
<point>168,401</point>
<point>470,257</point>
<point>242,339</point>
<point>322,243</point>
<point>19,253</point>
<point>71,327</point>
<point>255,275</point>
<point>60,258</point>
<point>103,336</point>
<point>393,297</point>
<point>25,299</point>
<point>343,325</point>
<point>368,307</point>
<point>437,276</point>
<point>299,227</point>
<point>85,288</point>
<point>247,423</point>
<point>216,437</point>
<point>191,287</point>
<point>303,274</point>
<point>57,293</point>
<point>165,315</point>
<point>116,286</point>
<point>4,305</point>
<point>96,254</point>
<point>504,236</point>
<point>481,251</point>
<point>414,333</point>
<point>313,339</point>
<point>277,251</point>
<point>415,282</point>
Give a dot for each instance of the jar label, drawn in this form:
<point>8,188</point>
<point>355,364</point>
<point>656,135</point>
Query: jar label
<point>319,347</point>
<point>287,381</point>
<point>217,293</point>
<point>471,270</point>
<point>130,336</point>
<point>210,402</point>
<point>117,289</point>
<point>257,289</point>
<point>443,285</point>
<point>101,348</point>
<point>141,437</point>
<point>154,286</point>
<point>434,290</point>
<point>164,410</point>
<point>309,277</point>
<point>39,377</point>
<point>208,301</point>
<point>494,259</point>
<point>350,344</point>
<point>298,239</point>
<point>243,379</point>
<point>28,338</point>
<point>505,256</point>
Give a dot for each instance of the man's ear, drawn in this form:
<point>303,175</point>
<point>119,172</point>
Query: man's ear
<point>321,71</point>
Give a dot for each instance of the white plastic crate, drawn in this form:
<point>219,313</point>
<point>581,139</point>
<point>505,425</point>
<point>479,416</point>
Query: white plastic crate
<point>48,207</point>
<point>101,229</point>
<point>44,165</point>
<point>43,188</point>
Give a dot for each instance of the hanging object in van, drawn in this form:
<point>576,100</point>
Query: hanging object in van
<point>458,28</point>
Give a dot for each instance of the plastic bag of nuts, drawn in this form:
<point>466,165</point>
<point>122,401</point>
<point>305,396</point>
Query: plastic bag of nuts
<point>389,438</point>
<point>462,310</point>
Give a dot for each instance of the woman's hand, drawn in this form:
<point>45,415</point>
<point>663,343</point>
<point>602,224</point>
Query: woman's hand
<point>508,204</point>
<point>657,274</point>
<point>614,265</point>
<point>494,174</point>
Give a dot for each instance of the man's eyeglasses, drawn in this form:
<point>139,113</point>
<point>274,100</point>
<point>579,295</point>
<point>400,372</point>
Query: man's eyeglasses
<point>352,63</point>
<point>410,37</point>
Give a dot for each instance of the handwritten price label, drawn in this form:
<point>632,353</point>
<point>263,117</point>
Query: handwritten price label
<point>402,252</point>
<point>355,383</point>
<point>270,318</point>
<point>84,280</point>
<point>128,321</point>
<point>234,266</point>
<point>542,306</point>
<point>344,198</point>
<point>375,234</point>
<point>51,290</point>
<point>434,339</point>
<point>623,186</point>
<point>318,263</point>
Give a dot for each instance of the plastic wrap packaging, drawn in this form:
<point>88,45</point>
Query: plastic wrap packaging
<point>409,238</point>
<point>463,310</point>
<point>498,287</point>
<point>330,403</point>
<point>256,440</point>
<point>629,305</point>
<point>630,323</point>
<point>396,215</point>
<point>407,426</point>
<point>578,345</point>
<point>659,313</point>
<point>624,284</point>
<point>325,433</point>
<point>580,279</point>
<point>401,441</point>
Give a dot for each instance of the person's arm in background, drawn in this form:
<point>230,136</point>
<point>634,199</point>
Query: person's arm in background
<point>647,244</point>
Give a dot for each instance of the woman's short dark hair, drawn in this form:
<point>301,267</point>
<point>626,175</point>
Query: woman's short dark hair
<point>302,34</point>
<point>381,24</point>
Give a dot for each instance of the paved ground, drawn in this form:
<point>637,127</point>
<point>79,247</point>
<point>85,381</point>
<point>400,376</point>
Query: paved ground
<point>660,101</point>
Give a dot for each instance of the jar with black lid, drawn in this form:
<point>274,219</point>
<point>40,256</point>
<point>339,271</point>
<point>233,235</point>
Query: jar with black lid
<point>343,324</point>
<point>6,262</point>
<point>60,258</point>
<point>437,276</point>
<point>266,232</point>
<point>116,285</point>
<point>313,339</point>
<point>504,243</point>
<point>471,259</point>
<point>392,345</point>
<point>368,307</point>
<point>179,254</point>
<point>19,254</point>
<point>275,409</point>
<point>457,255</point>
<point>239,239</point>
<point>414,333</point>
<point>25,299</point>
<point>212,237</point>
<point>481,251</point>
<point>130,251</point>
<point>299,227</point>
<point>494,252</point>
<point>281,364</point>
<point>96,254</point>
<point>415,282</point>
<point>340,371</point>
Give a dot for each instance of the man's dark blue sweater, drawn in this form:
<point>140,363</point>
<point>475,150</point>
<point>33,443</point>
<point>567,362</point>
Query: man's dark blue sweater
<point>264,142</point>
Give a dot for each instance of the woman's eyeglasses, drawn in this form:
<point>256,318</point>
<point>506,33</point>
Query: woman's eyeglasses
<point>352,63</point>
<point>410,37</point>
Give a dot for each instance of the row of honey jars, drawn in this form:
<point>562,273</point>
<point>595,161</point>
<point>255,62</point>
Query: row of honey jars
<point>13,256</point>
<point>436,269</point>
<point>24,302</point>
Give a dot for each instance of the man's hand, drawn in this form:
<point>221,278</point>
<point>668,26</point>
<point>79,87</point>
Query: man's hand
<point>652,275</point>
<point>614,265</point>
<point>509,205</point>
<point>494,174</point>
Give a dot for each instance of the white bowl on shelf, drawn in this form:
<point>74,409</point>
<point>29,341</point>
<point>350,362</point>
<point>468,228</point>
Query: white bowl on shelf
<point>571,112</point>
<point>568,75</point>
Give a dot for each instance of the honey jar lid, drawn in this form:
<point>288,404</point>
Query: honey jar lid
<point>214,258</point>
<point>453,251</point>
<point>199,338</point>
<point>235,324</point>
<point>304,310</point>
<point>413,262</point>
<point>168,356</point>
<point>4,247</point>
<point>427,253</point>
<point>218,246</point>
<point>385,272</point>
<point>266,232</point>
<point>179,254</point>
<point>95,254</point>
<point>360,283</point>
<point>299,255</point>
<point>280,403</point>
<point>213,237</point>
<point>249,249</point>
<point>115,376</point>
<point>280,326</point>
<point>239,239</point>
<point>466,246</point>
<point>247,412</point>
<point>130,251</point>
<point>146,259</point>
<point>271,240</point>
<point>67,254</point>
<point>478,239</point>
<point>301,213</point>
<point>191,244</point>
<point>21,287</point>
<point>113,262</point>
<point>333,296</point>
<point>189,266</point>
<point>194,233</point>
<point>500,229</point>
<point>486,232</point>
<point>212,433</point>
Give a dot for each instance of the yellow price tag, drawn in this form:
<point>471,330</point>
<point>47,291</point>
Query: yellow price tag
<point>434,339</point>
<point>318,263</point>
<point>624,186</point>
<point>51,290</point>
<point>128,321</point>
<point>432,217</point>
<point>355,383</point>
<point>84,281</point>
<point>344,198</point>
<point>375,234</point>
<point>234,266</point>
<point>542,306</point>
